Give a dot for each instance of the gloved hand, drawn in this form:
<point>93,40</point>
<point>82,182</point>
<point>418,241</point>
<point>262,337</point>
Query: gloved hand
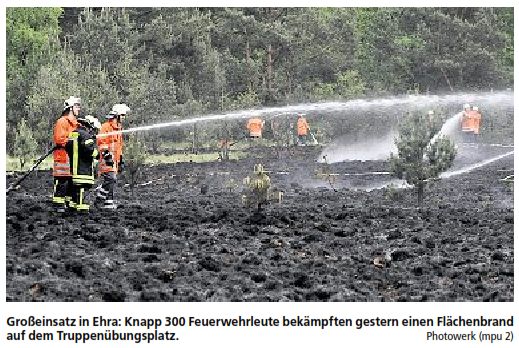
<point>107,156</point>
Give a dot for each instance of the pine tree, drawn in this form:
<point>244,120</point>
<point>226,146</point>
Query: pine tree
<point>134,155</point>
<point>419,159</point>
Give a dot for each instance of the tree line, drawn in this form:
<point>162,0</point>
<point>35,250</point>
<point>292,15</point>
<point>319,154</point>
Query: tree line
<point>179,62</point>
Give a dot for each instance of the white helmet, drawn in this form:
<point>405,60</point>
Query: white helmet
<point>93,121</point>
<point>70,102</point>
<point>466,106</point>
<point>90,121</point>
<point>430,112</point>
<point>120,109</point>
<point>111,115</point>
<point>475,108</point>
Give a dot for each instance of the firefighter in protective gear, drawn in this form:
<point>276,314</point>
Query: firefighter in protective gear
<point>302,130</point>
<point>258,188</point>
<point>255,127</point>
<point>82,150</point>
<point>466,122</point>
<point>476,120</point>
<point>110,145</point>
<point>66,124</point>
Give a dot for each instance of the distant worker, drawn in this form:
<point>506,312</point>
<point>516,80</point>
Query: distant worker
<point>476,122</point>
<point>82,151</point>
<point>225,146</point>
<point>258,188</point>
<point>255,127</point>
<point>110,145</point>
<point>466,123</point>
<point>65,125</point>
<point>302,130</point>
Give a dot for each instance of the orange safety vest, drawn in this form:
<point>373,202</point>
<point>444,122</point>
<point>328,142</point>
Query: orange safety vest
<point>113,143</point>
<point>62,129</point>
<point>476,121</point>
<point>255,125</point>
<point>302,126</point>
<point>466,121</point>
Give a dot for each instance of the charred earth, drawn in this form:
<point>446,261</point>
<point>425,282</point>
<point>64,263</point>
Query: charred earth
<point>327,240</point>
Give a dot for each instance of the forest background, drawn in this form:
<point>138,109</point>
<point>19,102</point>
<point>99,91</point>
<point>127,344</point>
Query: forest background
<point>175,63</point>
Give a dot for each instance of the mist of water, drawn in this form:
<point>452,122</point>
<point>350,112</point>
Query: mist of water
<point>378,104</point>
<point>379,146</point>
<point>450,128</point>
<point>368,148</point>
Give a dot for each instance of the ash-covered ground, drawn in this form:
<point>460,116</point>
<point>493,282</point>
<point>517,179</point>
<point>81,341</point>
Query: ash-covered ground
<point>329,240</point>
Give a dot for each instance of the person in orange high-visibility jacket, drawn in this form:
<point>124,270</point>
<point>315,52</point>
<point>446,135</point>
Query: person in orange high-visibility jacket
<point>110,147</point>
<point>466,123</point>
<point>475,123</point>
<point>255,127</point>
<point>66,124</point>
<point>302,130</point>
<point>476,120</point>
<point>466,119</point>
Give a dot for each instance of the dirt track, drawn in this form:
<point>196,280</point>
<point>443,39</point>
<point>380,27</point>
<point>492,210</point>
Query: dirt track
<point>170,242</point>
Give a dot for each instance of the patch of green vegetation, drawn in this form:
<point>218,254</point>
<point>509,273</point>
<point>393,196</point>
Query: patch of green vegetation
<point>12,164</point>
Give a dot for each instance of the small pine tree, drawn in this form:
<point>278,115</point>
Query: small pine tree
<point>24,144</point>
<point>418,159</point>
<point>134,155</point>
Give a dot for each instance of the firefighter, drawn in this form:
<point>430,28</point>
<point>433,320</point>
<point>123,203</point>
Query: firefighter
<point>466,123</point>
<point>225,146</point>
<point>110,145</point>
<point>476,122</point>
<point>255,127</point>
<point>258,187</point>
<point>302,130</point>
<point>65,125</point>
<point>82,151</point>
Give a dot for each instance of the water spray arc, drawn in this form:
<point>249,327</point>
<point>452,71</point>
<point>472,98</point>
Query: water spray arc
<point>356,104</point>
<point>466,169</point>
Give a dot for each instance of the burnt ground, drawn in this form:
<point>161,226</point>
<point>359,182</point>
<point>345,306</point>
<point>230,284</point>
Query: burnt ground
<point>171,242</point>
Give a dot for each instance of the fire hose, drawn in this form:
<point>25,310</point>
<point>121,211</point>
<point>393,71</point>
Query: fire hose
<point>15,184</point>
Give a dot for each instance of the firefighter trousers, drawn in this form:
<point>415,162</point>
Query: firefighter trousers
<point>105,193</point>
<point>62,194</point>
<point>78,197</point>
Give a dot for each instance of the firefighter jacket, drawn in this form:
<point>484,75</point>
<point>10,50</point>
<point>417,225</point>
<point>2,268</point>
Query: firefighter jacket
<point>302,126</point>
<point>255,126</point>
<point>82,151</point>
<point>466,121</point>
<point>112,142</point>
<point>475,121</point>
<point>62,129</point>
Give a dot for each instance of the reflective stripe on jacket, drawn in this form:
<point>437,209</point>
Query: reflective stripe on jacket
<point>113,143</point>
<point>82,151</point>
<point>62,129</point>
